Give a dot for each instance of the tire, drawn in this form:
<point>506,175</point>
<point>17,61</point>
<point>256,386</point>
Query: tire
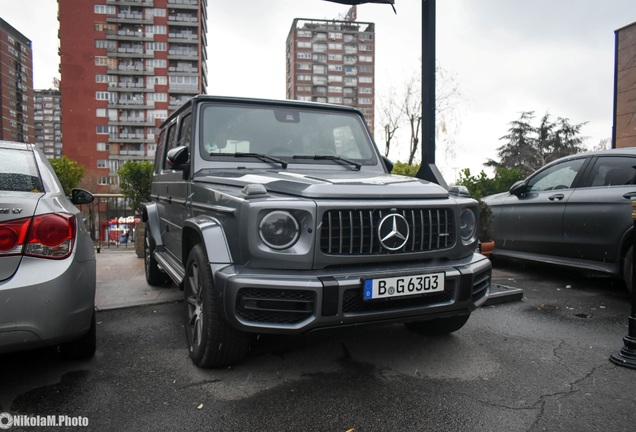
<point>212,342</point>
<point>154,275</point>
<point>628,264</point>
<point>439,326</point>
<point>81,348</point>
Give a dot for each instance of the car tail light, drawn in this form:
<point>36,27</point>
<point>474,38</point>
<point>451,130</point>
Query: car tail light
<point>12,236</point>
<point>46,236</point>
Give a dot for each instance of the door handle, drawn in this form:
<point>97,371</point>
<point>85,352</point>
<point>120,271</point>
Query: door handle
<point>557,197</point>
<point>629,195</point>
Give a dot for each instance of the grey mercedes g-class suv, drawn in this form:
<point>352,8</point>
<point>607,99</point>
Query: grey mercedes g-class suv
<point>283,217</point>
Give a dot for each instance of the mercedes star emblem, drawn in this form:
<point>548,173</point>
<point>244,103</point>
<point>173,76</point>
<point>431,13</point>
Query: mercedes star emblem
<point>393,232</point>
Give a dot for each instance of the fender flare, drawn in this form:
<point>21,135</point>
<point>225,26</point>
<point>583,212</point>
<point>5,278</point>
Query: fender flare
<point>150,215</point>
<point>209,231</point>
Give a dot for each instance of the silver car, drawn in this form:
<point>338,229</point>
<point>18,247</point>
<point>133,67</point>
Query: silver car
<point>47,259</point>
<point>575,211</point>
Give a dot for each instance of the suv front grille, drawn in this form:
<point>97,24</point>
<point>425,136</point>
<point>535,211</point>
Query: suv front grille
<point>355,231</point>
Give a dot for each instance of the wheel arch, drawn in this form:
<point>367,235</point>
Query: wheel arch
<point>150,215</point>
<point>206,230</point>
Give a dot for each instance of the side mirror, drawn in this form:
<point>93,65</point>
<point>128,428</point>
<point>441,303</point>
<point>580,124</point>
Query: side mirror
<point>387,163</point>
<point>178,158</point>
<point>81,196</point>
<point>519,188</point>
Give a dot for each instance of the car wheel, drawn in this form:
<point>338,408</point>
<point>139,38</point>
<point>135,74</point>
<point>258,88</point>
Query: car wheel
<point>212,342</point>
<point>628,268</point>
<point>439,326</point>
<point>154,275</point>
<point>81,348</point>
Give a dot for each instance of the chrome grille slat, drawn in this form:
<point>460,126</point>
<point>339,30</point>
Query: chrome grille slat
<point>355,231</point>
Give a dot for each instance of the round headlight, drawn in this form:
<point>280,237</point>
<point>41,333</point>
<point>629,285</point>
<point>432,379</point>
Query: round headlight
<point>279,230</point>
<point>467,225</point>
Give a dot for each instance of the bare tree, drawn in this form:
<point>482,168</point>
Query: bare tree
<point>405,107</point>
<point>412,110</point>
<point>390,117</point>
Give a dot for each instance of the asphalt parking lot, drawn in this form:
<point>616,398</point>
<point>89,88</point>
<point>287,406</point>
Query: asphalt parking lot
<point>537,364</point>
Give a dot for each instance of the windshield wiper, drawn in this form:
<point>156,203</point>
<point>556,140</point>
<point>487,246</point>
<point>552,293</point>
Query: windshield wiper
<point>336,159</point>
<point>259,156</point>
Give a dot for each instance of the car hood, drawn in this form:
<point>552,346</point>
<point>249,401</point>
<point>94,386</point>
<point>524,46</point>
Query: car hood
<point>330,184</point>
<point>15,205</point>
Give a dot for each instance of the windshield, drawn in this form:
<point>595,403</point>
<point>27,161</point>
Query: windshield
<point>296,135</point>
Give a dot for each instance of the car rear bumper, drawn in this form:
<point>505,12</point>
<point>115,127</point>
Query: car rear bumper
<point>46,302</point>
<point>293,302</point>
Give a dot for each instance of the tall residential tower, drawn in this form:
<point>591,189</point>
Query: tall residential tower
<point>332,61</point>
<point>16,85</point>
<point>125,65</point>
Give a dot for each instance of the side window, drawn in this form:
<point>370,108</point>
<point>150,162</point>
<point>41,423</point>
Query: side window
<point>560,176</point>
<point>171,142</point>
<point>185,131</point>
<point>159,155</point>
<point>612,171</point>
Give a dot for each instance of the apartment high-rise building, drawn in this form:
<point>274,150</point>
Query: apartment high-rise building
<point>125,66</point>
<point>16,85</point>
<point>332,61</point>
<point>47,115</point>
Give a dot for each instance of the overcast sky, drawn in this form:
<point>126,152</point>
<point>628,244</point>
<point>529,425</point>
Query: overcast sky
<point>505,57</point>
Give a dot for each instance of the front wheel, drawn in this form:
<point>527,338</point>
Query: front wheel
<point>439,326</point>
<point>628,268</point>
<point>212,342</point>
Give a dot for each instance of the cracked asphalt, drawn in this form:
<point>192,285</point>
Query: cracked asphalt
<point>540,364</point>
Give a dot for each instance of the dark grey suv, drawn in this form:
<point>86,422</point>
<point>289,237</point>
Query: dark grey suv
<point>575,211</point>
<point>282,217</point>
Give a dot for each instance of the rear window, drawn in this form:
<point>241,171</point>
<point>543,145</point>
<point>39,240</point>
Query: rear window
<point>18,171</point>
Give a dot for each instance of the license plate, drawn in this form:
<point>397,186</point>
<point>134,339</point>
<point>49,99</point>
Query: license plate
<point>403,286</point>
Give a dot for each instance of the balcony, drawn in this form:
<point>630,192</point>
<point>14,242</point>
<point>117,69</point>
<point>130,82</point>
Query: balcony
<point>181,54</point>
<point>139,3</point>
<point>183,4</point>
<point>130,18</point>
<point>187,38</point>
<point>131,35</point>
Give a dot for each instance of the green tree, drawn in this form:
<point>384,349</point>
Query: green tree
<point>69,172</point>
<point>481,185</point>
<point>135,179</point>
<point>405,169</point>
<point>530,147</point>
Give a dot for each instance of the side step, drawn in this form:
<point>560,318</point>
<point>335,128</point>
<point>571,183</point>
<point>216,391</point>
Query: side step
<point>171,266</point>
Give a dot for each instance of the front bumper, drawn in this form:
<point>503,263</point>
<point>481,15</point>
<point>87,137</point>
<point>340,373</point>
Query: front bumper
<point>46,302</point>
<point>292,302</point>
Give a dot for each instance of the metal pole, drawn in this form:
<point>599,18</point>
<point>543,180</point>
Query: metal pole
<point>428,170</point>
<point>627,355</point>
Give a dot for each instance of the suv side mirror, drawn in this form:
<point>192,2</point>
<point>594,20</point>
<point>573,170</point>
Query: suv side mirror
<point>387,163</point>
<point>519,188</point>
<point>81,196</point>
<point>178,158</point>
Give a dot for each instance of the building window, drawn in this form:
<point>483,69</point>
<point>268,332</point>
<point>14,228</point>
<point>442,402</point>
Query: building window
<point>335,57</point>
<point>100,95</point>
<point>365,90</point>
<point>319,69</point>
<point>335,68</point>
<point>365,101</point>
<point>103,9</point>
<point>156,63</point>
<point>156,46</point>
<point>156,12</point>
<point>334,100</point>
<point>320,47</point>
<point>101,129</point>
<point>335,78</point>
<point>155,29</point>
<point>102,163</point>
<point>335,89</point>
<point>303,33</point>
<point>102,146</point>
<point>303,66</point>
<point>366,47</point>
<point>303,77</point>
<point>366,79</point>
<point>107,44</point>
<point>303,44</point>
<point>102,180</point>
<point>335,46</point>
<point>303,55</point>
<point>158,97</point>
<point>101,112</point>
<point>335,35</point>
<point>365,36</point>
<point>101,61</point>
<point>365,58</point>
